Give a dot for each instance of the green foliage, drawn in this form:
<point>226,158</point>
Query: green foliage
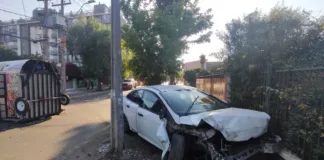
<point>158,36</point>
<point>127,56</point>
<point>10,55</point>
<point>91,40</point>
<point>283,39</point>
<point>203,60</point>
<point>190,75</point>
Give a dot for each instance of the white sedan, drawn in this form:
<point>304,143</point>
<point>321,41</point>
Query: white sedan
<point>182,120</point>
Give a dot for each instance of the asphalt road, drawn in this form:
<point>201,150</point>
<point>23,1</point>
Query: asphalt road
<point>56,137</point>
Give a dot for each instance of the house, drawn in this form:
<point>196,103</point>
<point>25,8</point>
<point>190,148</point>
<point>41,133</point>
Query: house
<point>209,66</point>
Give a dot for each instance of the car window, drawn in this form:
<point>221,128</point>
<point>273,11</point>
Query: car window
<point>181,100</point>
<point>136,96</point>
<point>127,80</point>
<point>152,102</point>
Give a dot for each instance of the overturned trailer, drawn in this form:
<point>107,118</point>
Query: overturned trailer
<point>29,89</point>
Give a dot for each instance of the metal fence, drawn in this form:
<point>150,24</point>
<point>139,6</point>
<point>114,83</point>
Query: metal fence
<point>295,100</point>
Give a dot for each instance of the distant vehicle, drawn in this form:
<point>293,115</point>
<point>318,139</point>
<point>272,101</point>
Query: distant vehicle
<point>129,84</point>
<point>177,119</point>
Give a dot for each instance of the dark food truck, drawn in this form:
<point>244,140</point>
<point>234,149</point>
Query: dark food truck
<point>29,89</point>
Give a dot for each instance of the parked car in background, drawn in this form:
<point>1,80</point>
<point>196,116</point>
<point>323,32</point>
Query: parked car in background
<point>129,84</point>
<point>184,121</point>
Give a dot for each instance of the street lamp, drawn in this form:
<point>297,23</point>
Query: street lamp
<point>90,1</point>
<point>67,22</point>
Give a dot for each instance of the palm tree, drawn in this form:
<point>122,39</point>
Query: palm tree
<point>203,60</point>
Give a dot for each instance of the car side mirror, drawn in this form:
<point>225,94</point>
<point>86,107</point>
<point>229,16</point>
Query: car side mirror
<point>162,113</point>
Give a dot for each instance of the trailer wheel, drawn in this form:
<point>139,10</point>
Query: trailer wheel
<point>65,99</point>
<point>21,106</point>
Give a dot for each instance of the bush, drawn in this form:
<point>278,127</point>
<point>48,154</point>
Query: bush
<point>190,75</point>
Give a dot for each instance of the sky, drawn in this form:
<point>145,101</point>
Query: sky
<point>223,10</point>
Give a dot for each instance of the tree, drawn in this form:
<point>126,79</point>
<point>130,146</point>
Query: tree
<point>283,39</point>
<point>91,40</point>
<point>10,55</point>
<point>158,36</point>
<point>127,56</point>
<point>203,60</point>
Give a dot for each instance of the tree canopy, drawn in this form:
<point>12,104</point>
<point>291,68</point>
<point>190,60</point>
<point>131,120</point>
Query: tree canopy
<point>257,47</point>
<point>91,40</point>
<point>158,35</point>
<point>203,60</point>
<point>10,55</point>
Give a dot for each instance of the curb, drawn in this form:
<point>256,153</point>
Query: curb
<point>89,94</point>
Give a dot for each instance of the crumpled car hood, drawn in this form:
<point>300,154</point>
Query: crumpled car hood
<point>235,124</point>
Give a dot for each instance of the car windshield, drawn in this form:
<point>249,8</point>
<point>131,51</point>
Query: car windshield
<point>127,80</point>
<point>181,100</point>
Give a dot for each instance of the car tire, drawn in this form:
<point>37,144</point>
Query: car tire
<point>65,99</point>
<point>126,125</point>
<point>21,106</point>
<point>177,148</point>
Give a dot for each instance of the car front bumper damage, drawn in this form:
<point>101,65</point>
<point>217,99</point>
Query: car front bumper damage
<point>217,147</point>
<point>244,154</point>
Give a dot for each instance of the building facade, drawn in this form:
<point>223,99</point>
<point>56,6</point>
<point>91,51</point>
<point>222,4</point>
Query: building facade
<point>25,36</point>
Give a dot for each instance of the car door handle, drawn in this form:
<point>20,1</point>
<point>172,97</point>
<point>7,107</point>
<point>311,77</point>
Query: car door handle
<point>140,114</point>
<point>127,106</point>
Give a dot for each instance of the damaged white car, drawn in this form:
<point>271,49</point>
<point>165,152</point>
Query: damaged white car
<point>186,123</point>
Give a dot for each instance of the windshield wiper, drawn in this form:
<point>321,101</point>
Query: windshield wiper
<point>188,110</point>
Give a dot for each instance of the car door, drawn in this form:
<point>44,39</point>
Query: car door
<point>148,120</point>
<point>133,100</point>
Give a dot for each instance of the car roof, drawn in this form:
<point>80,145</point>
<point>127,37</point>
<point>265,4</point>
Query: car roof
<point>169,87</point>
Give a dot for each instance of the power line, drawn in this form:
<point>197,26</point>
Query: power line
<point>76,3</point>
<point>22,1</point>
<point>13,13</point>
<point>25,38</point>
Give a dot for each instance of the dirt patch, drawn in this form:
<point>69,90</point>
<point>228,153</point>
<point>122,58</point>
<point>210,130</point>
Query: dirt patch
<point>136,149</point>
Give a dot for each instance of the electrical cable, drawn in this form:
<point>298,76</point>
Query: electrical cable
<point>13,13</point>
<point>76,3</point>
<point>22,1</point>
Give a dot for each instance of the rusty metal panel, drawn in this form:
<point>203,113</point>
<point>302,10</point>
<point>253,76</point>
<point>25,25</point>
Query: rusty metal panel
<point>214,85</point>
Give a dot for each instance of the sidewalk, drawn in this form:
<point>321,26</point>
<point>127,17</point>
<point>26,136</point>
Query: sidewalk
<point>83,92</point>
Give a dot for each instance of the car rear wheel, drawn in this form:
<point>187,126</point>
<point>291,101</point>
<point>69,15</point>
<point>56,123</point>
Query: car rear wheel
<point>177,148</point>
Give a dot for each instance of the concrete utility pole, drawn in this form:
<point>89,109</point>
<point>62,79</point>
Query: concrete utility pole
<point>62,34</point>
<point>45,46</point>
<point>117,132</point>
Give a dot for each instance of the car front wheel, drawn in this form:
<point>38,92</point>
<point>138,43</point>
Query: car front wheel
<point>177,148</point>
<point>126,125</point>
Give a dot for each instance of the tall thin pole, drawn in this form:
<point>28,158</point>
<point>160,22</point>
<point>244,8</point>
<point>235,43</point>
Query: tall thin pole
<point>117,133</point>
<point>62,50</point>
<point>44,44</point>
<point>62,34</point>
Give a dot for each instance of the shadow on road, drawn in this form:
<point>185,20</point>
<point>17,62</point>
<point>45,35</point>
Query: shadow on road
<point>7,125</point>
<point>83,142</point>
